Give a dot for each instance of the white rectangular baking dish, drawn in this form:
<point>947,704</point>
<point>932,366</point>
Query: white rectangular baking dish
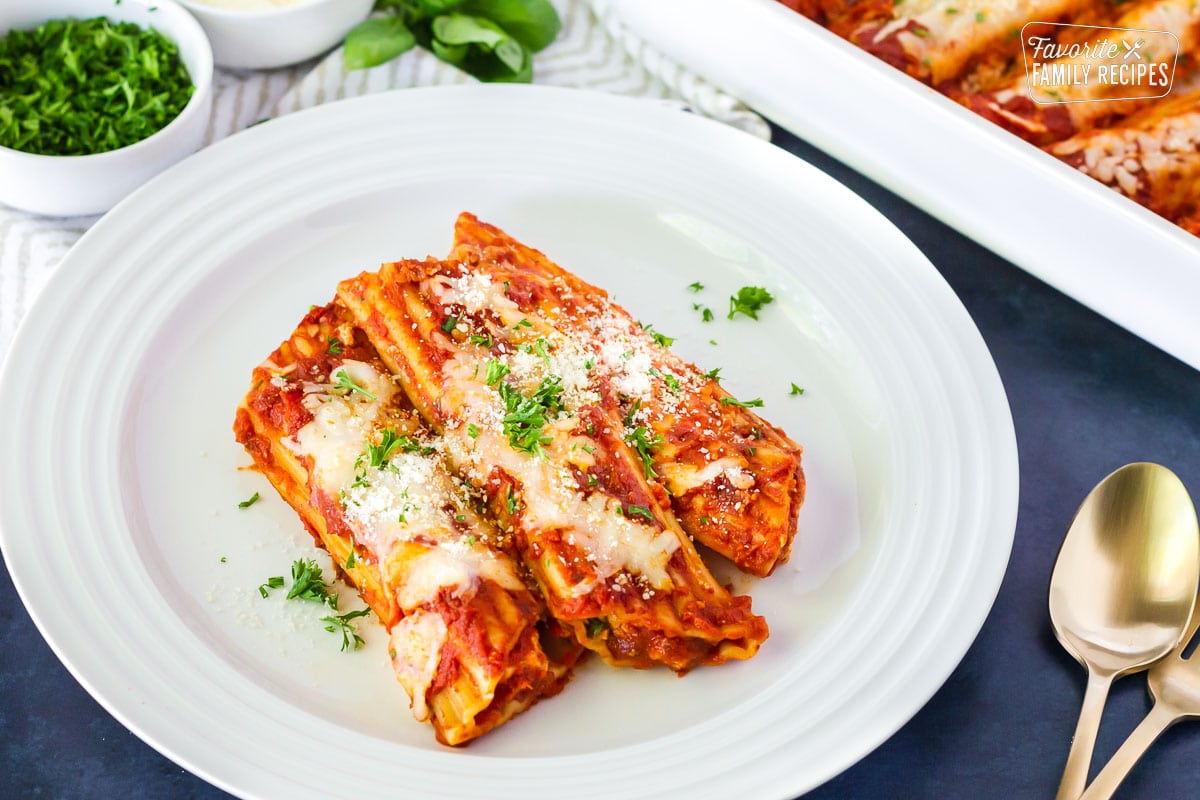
<point>1107,252</point>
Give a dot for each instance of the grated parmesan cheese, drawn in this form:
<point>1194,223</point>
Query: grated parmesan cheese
<point>410,500</point>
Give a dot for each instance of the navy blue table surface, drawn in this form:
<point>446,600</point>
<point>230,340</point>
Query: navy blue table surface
<point>1086,397</point>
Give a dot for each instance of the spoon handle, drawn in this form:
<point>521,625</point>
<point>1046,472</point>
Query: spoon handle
<point>1158,720</point>
<point>1079,760</point>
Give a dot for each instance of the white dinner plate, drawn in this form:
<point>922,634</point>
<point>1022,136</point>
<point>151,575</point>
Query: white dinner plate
<point>120,478</point>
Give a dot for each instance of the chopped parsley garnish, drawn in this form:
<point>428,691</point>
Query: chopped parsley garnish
<point>640,511</point>
<point>980,16</point>
<point>254,498</point>
<point>704,520</point>
<point>923,33</point>
<point>379,454</point>
<point>644,444</point>
<point>593,480</point>
<point>333,346</point>
<point>713,374</point>
<point>733,401</point>
<point>470,540</point>
<point>595,626</point>
<point>661,339</point>
<point>696,287</point>
<point>272,583</point>
<point>527,417</point>
<point>670,380</point>
<point>344,381</point>
<point>472,430</point>
<point>542,348</point>
<point>525,323</point>
<point>484,339</point>
<point>629,415</point>
<point>342,623</point>
<point>795,390</point>
<point>450,324</point>
<point>749,301</point>
<point>589,363</point>
<point>510,502</point>
<point>308,584</point>
<point>351,560</point>
<point>496,370</point>
<point>706,315</point>
<point>71,87</point>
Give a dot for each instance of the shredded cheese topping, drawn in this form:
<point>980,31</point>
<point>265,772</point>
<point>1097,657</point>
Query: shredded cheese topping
<point>409,499</point>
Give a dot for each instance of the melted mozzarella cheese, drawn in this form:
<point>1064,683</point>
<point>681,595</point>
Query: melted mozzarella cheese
<point>341,423</point>
<point>416,650</point>
<point>552,500</point>
<point>682,478</point>
<point>411,498</point>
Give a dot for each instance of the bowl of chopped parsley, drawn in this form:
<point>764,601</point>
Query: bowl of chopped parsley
<point>96,97</point>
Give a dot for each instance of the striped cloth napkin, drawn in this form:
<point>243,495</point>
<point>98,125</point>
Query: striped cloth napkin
<point>593,51</point>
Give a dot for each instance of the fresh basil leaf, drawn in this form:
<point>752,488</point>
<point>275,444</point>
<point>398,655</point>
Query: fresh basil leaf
<point>491,55</point>
<point>455,29</point>
<point>376,41</point>
<point>489,68</point>
<point>533,23</point>
<point>432,8</point>
<point>511,54</point>
<point>450,53</point>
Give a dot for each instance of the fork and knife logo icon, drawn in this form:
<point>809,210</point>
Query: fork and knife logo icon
<point>1131,50</point>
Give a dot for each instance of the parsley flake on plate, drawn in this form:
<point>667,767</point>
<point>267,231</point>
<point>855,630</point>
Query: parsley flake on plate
<point>749,300</point>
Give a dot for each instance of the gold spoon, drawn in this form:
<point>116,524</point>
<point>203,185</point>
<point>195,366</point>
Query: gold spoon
<point>1175,687</point>
<point>1122,589</point>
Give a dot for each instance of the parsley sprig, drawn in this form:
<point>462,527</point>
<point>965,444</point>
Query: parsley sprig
<point>309,584</point>
<point>342,380</point>
<point>342,623</point>
<point>733,401</point>
<point>749,300</point>
<point>525,420</point>
<point>644,444</point>
<point>661,339</point>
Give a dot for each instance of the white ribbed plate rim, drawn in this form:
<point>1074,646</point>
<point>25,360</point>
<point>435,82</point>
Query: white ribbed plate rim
<point>926,481</point>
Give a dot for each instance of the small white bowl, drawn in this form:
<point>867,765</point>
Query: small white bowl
<point>264,36</point>
<point>77,185</point>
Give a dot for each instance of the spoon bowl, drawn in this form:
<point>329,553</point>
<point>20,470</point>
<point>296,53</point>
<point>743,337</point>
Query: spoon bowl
<point>1122,589</point>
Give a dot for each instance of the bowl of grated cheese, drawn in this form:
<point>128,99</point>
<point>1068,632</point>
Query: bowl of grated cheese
<point>265,34</point>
